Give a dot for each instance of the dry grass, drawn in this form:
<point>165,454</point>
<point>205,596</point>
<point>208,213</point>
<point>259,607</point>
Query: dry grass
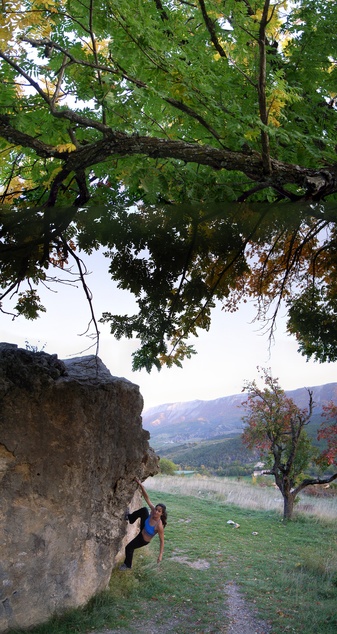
<point>242,493</point>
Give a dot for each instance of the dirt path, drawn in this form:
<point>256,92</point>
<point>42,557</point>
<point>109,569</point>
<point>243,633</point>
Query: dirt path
<point>240,619</point>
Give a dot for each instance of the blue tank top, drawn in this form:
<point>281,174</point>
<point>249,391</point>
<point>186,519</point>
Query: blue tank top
<point>149,529</point>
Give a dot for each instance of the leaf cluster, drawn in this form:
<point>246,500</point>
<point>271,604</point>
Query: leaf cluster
<point>137,126</point>
<point>312,319</point>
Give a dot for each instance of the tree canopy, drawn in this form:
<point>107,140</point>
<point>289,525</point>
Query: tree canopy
<point>195,141</point>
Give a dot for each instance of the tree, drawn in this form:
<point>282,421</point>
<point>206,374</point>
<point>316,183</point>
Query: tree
<point>167,467</point>
<point>277,428</point>
<point>194,141</point>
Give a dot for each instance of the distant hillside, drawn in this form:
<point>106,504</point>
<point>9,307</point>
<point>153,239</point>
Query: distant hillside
<point>226,456</point>
<point>193,421</point>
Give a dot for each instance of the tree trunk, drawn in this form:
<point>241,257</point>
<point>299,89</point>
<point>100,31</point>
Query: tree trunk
<point>288,505</point>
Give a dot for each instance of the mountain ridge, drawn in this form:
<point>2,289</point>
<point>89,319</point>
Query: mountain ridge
<point>203,419</point>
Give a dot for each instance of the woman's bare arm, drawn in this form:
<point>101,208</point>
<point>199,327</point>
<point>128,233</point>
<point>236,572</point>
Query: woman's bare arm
<point>161,537</point>
<point>145,495</point>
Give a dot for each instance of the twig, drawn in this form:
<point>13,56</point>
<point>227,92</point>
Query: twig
<point>87,292</point>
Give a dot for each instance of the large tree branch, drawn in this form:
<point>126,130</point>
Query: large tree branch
<point>312,481</point>
<point>116,144</point>
<point>121,144</point>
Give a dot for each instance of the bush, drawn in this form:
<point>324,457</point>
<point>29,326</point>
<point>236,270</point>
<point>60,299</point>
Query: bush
<point>167,467</point>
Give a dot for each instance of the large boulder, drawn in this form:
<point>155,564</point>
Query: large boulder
<point>71,444</point>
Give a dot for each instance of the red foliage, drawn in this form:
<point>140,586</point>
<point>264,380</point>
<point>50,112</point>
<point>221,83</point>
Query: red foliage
<point>328,432</point>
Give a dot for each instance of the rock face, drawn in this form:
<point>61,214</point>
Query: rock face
<point>71,444</point>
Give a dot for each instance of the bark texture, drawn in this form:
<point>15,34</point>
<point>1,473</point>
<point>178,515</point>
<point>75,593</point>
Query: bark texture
<point>317,183</point>
<point>71,444</point>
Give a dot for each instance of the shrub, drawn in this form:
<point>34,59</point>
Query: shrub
<point>167,467</point>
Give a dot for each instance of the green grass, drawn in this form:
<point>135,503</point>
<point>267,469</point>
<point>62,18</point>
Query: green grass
<point>287,572</point>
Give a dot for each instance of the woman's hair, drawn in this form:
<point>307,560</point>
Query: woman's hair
<point>163,516</point>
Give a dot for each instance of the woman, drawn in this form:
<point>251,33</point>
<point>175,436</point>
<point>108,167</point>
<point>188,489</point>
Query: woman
<point>151,524</point>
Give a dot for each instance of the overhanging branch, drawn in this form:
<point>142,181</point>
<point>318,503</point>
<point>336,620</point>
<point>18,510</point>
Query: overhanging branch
<point>117,144</point>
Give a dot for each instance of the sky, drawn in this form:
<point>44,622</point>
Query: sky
<point>227,356</point>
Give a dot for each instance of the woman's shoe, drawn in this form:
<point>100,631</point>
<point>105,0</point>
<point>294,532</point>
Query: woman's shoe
<point>123,567</point>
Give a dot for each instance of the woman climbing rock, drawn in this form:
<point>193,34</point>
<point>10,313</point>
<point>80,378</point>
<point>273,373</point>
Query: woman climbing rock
<point>151,524</point>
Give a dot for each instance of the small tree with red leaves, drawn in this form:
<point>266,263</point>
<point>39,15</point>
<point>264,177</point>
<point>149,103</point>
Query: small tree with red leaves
<point>276,427</point>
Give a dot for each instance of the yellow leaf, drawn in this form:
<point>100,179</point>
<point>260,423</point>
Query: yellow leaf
<point>44,4</point>
<point>65,147</point>
<point>251,135</point>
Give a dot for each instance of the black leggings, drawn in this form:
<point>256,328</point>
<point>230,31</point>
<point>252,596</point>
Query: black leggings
<point>139,540</point>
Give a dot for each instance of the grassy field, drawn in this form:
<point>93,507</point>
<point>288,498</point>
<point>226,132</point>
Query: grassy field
<point>241,491</point>
<point>287,572</point>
